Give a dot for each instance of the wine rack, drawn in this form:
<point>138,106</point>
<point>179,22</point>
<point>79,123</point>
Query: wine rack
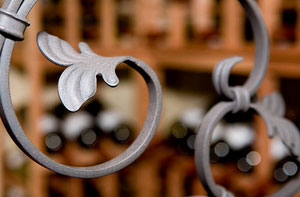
<point>175,35</point>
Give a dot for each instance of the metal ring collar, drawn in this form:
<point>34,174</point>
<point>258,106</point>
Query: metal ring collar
<point>14,129</point>
<point>222,71</point>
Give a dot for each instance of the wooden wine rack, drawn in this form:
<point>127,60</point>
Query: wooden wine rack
<point>175,52</point>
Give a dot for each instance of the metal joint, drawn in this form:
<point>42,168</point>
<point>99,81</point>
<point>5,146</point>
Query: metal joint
<point>78,84</point>
<point>271,108</point>
<point>12,26</point>
<point>242,99</point>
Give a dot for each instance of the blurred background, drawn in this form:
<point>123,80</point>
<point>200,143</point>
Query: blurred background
<point>182,40</point>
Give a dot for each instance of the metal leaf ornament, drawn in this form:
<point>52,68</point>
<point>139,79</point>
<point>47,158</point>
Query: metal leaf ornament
<point>272,110</point>
<point>78,82</point>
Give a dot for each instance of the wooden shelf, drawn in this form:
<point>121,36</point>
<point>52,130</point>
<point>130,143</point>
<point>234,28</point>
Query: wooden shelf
<point>174,52</point>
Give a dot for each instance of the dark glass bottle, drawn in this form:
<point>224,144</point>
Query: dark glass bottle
<point>115,127</point>
<point>89,138</point>
<point>182,138</point>
<point>53,137</point>
<point>183,132</point>
<point>81,126</point>
<point>122,134</point>
<point>54,142</point>
<point>285,169</point>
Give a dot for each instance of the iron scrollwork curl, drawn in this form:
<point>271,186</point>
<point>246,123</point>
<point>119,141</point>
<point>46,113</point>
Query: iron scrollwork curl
<point>271,109</point>
<point>77,84</point>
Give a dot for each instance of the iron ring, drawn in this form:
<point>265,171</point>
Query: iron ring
<point>127,157</point>
<point>202,147</point>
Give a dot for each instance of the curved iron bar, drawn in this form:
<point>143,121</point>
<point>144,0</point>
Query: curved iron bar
<point>17,11</point>
<point>222,70</point>
<point>271,108</point>
<point>287,132</point>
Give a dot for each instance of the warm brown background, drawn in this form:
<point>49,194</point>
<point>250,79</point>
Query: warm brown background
<point>181,40</point>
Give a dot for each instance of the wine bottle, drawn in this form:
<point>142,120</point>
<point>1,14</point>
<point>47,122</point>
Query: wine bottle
<point>53,138</point>
<point>285,166</point>
<point>182,133</point>
<point>115,127</point>
<point>239,137</point>
<point>285,169</point>
<point>81,127</point>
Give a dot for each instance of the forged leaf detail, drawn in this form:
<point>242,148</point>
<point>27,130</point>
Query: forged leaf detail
<point>78,82</point>
<point>272,109</point>
<point>274,104</point>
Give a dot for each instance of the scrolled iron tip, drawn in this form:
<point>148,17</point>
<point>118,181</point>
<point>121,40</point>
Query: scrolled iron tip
<point>221,75</point>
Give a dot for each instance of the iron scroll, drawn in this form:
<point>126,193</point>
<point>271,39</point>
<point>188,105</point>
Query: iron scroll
<point>87,65</point>
<point>271,108</point>
<point>78,83</point>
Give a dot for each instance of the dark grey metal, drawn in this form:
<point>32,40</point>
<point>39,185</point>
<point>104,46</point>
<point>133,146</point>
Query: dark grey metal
<point>12,25</point>
<point>76,85</point>
<point>271,108</point>
<point>271,111</point>
<point>222,70</point>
